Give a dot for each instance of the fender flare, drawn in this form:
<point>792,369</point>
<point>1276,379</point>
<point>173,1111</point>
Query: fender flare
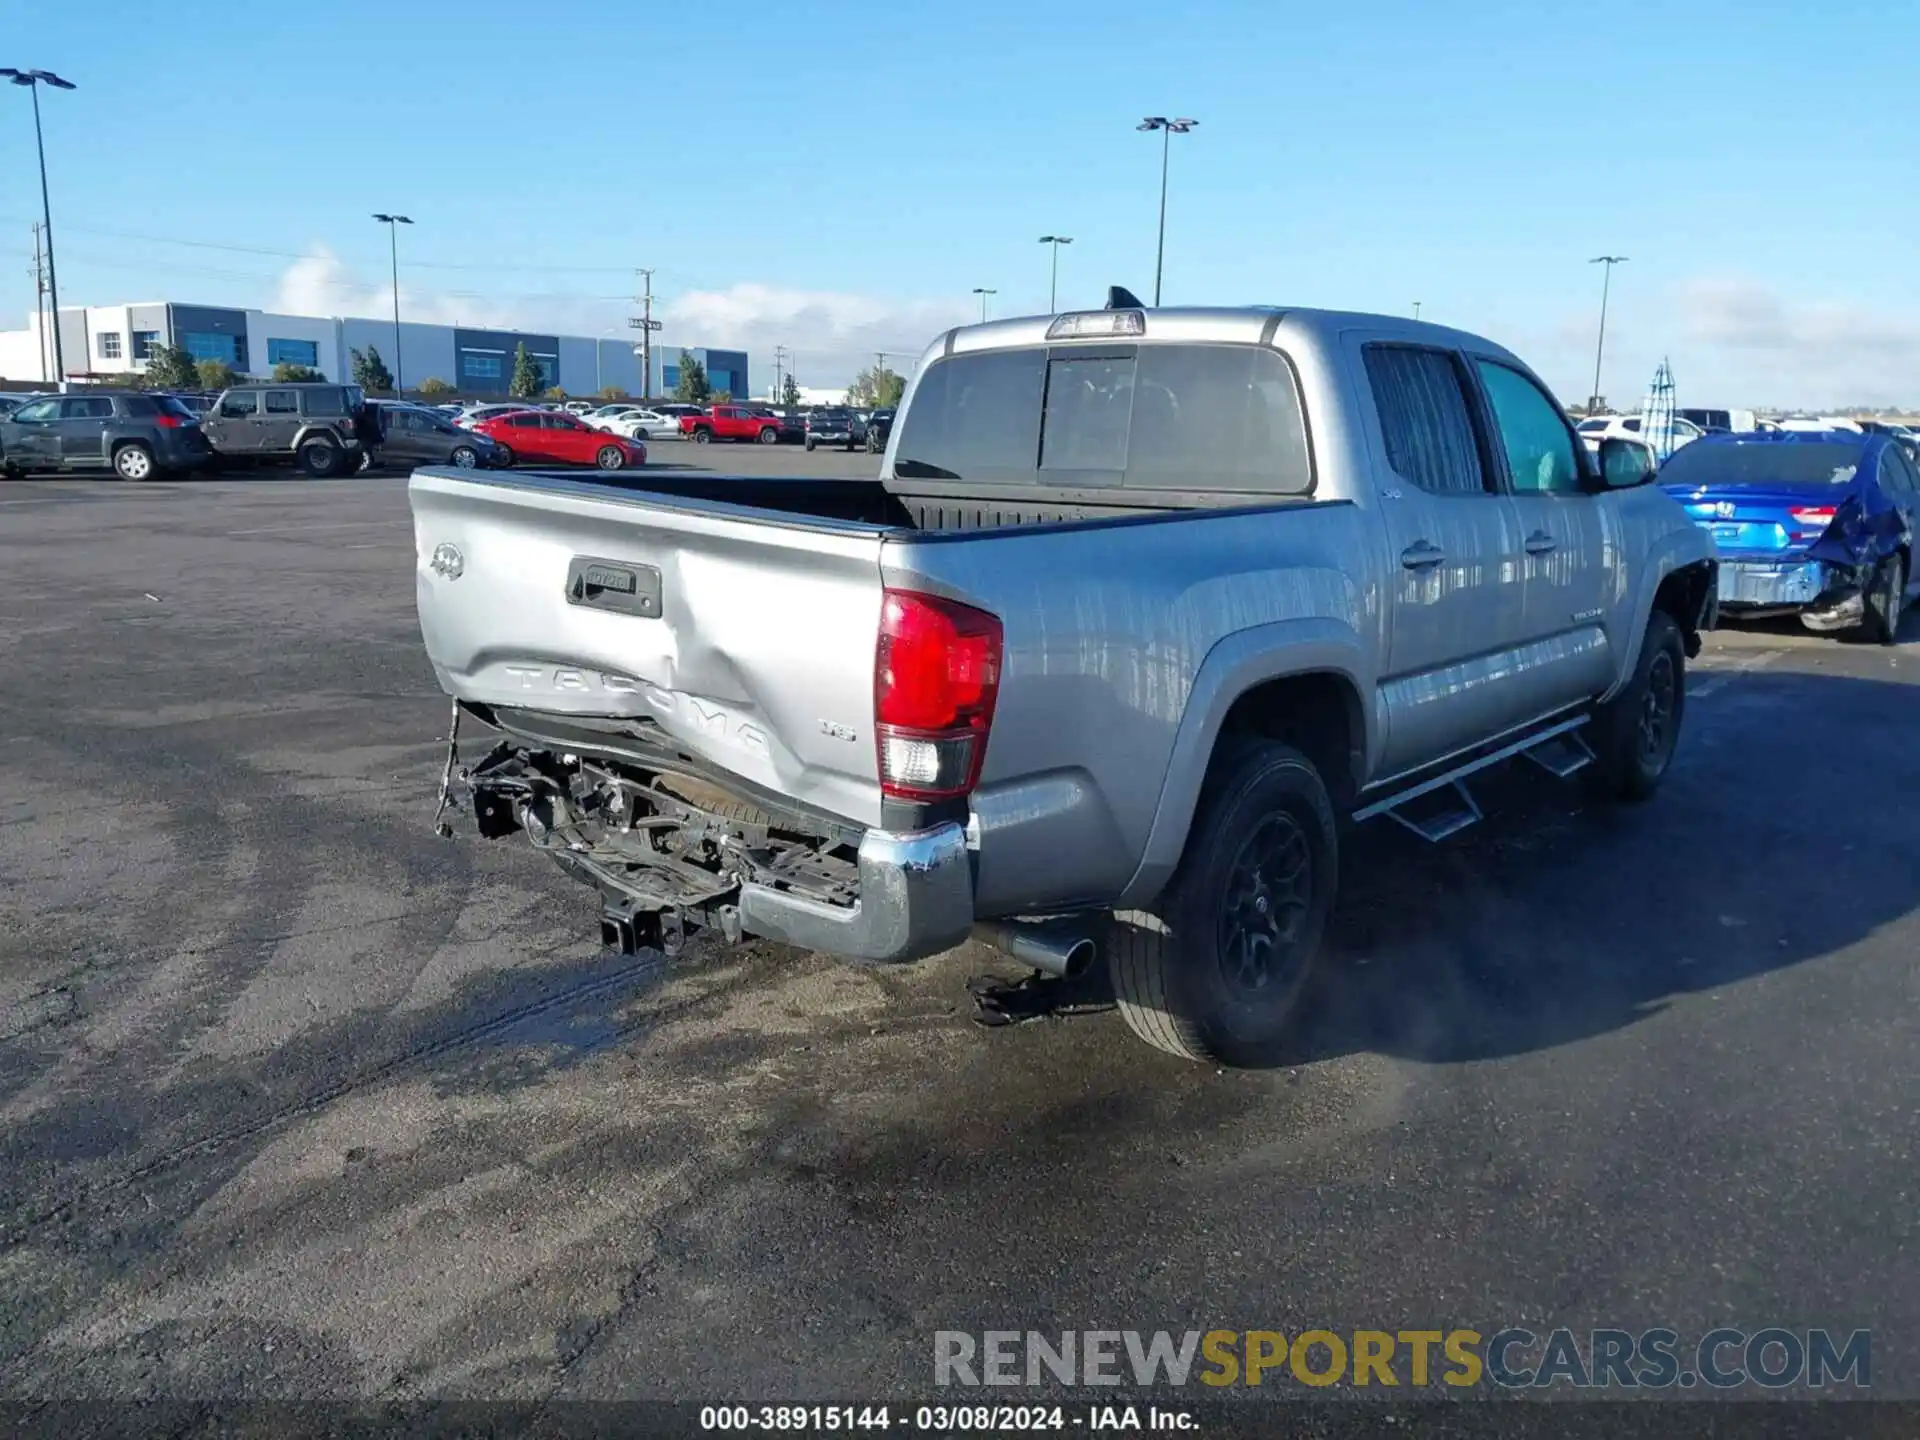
<point>1674,552</point>
<point>1237,663</point>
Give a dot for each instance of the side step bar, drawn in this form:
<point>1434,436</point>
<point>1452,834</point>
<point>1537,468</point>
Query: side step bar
<point>1450,806</point>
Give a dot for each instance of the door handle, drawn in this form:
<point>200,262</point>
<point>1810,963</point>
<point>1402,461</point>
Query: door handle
<point>1422,555</point>
<point>1541,543</point>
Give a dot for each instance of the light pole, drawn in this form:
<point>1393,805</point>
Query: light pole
<point>393,248</point>
<point>33,80</point>
<point>1416,309</point>
<point>983,294</point>
<point>1600,345</point>
<point>1168,129</point>
<point>1053,278</point>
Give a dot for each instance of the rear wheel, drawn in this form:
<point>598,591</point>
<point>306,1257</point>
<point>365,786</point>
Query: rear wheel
<point>465,456</point>
<point>319,458</point>
<point>133,461</point>
<point>703,437</point>
<point>506,456</point>
<point>809,444</point>
<point>874,447</point>
<point>611,457</point>
<point>1886,600</point>
<point>1635,733</point>
<point>769,436</point>
<point>1217,971</point>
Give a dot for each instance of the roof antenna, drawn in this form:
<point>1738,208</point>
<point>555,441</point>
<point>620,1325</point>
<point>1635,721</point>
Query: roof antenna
<point>1121,298</point>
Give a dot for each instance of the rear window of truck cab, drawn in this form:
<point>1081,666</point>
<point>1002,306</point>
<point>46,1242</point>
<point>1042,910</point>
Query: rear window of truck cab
<point>1220,419</point>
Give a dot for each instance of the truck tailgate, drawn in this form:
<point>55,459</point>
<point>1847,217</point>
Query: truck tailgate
<point>746,635</point>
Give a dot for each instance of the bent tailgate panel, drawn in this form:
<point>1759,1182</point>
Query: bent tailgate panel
<point>747,635</point>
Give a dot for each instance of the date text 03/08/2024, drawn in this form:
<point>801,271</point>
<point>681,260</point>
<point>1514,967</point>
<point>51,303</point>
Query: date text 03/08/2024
<point>936,1419</point>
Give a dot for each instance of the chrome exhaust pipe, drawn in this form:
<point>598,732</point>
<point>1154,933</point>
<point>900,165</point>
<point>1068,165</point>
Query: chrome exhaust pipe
<point>1054,950</point>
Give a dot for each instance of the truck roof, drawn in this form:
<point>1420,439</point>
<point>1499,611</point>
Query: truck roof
<point>1237,324</point>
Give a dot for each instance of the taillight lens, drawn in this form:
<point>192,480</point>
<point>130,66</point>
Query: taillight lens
<point>168,422</point>
<point>1812,519</point>
<point>935,676</point>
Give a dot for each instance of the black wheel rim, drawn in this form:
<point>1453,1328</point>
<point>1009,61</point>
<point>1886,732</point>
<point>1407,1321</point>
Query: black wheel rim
<point>1656,709</point>
<point>1268,897</point>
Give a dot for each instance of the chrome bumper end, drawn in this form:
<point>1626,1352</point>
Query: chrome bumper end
<point>916,899</point>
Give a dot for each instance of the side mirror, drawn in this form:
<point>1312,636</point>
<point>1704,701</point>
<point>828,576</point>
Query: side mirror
<point>1624,463</point>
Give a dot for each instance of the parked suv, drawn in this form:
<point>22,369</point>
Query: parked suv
<point>311,424</point>
<point>135,436</point>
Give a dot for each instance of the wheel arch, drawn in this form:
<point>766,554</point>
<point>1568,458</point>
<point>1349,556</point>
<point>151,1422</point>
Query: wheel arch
<point>1687,589</point>
<point>1305,682</point>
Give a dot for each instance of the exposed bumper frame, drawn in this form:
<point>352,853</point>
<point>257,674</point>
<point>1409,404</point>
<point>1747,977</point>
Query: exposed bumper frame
<point>916,899</point>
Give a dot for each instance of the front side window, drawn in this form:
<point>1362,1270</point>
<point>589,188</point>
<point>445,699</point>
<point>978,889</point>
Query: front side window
<point>1425,418</point>
<point>109,344</point>
<point>240,405</point>
<point>37,411</point>
<point>1538,447</point>
<point>282,402</point>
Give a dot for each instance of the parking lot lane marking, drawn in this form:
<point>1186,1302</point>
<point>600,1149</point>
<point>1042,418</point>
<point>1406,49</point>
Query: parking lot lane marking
<point>308,529</point>
<point>1725,675</point>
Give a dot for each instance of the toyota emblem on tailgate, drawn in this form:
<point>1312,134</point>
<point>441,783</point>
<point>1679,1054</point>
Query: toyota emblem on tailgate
<point>448,561</point>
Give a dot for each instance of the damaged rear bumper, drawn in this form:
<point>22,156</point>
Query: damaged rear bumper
<point>916,899</point>
<point>1824,596</point>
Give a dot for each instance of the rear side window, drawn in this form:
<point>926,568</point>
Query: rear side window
<point>1895,474</point>
<point>1421,397</point>
<point>240,404</point>
<point>140,405</point>
<point>282,402</point>
<point>327,400</point>
<point>95,407</point>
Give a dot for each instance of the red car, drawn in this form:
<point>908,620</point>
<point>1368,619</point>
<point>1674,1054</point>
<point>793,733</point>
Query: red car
<point>555,437</point>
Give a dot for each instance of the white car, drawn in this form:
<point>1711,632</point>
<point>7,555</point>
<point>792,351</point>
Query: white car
<point>578,407</point>
<point>1596,428</point>
<point>600,415</point>
<point>643,424</point>
<point>474,414</point>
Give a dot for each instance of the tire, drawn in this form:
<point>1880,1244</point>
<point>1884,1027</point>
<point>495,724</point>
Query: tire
<point>769,436</point>
<point>1205,977</point>
<point>1635,734</point>
<point>874,447</point>
<point>703,437</point>
<point>465,457</point>
<point>134,461</point>
<point>808,442</point>
<point>1886,600</point>
<point>610,457</point>
<point>319,458</point>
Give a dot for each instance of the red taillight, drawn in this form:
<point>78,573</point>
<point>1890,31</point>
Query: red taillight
<point>1812,519</point>
<point>168,422</point>
<point>935,675</point>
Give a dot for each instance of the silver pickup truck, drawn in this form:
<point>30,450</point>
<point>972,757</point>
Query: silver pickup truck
<point>1143,607</point>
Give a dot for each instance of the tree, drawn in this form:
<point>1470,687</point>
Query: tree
<point>554,392</point>
<point>876,388</point>
<point>790,392</point>
<point>370,371</point>
<point>288,373</point>
<point>528,380</point>
<point>214,374</point>
<point>170,367</point>
<point>432,388</point>
<point>692,387</point>
<point>612,392</point>
<point>722,397</point>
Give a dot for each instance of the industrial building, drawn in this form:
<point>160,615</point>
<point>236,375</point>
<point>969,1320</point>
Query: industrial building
<point>102,341</point>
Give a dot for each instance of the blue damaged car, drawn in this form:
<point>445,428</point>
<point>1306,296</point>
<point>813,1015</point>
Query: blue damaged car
<point>1818,524</point>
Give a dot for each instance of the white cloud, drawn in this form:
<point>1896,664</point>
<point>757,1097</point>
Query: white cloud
<point>833,336</point>
<point>1810,353</point>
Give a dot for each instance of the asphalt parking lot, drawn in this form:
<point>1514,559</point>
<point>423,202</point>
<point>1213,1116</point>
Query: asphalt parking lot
<point>298,1100</point>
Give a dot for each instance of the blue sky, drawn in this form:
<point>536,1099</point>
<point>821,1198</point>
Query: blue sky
<point>837,178</point>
